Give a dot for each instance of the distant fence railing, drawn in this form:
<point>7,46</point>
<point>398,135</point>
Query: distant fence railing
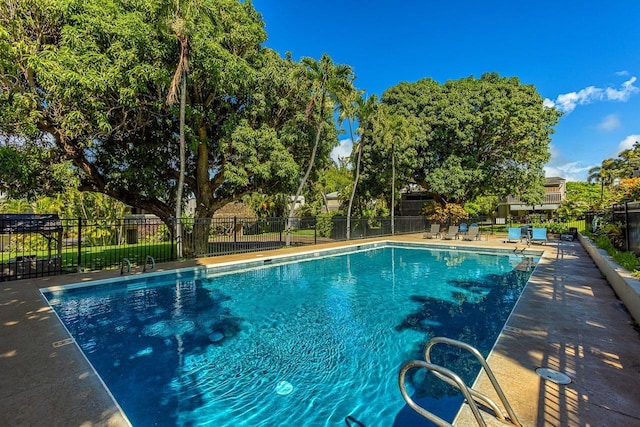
<point>85,245</point>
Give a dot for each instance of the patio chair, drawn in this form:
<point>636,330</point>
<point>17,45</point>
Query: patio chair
<point>433,233</point>
<point>539,235</point>
<point>513,234</point>
<point>472,234</point>
<point>463,228</point>
<point>452,233</point>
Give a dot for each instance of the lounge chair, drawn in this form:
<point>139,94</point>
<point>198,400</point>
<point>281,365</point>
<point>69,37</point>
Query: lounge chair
<point>513,234</point>
<point>463,228</point>
<point>472,234</point>
<point>539,235</point>
<point>452,233</point>
<point>433,233</point>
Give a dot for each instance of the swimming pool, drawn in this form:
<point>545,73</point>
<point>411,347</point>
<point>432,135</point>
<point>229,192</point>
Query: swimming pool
<point>316,342</point>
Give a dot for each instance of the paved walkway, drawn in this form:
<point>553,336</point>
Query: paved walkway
<point>568,319</point>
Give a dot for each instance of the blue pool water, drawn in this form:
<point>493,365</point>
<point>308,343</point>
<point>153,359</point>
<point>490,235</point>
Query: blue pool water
<point>312,343</point>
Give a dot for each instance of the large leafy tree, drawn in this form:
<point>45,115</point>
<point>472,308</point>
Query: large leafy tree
<point>628,161</point>
<point>91,77</point>
<point>473,137</point>
<point>82,75</point>
<point>29,171</point>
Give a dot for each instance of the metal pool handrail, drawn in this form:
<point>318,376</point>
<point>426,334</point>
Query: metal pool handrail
<point>451,378</point>
<point>494,382</point>
<point>125,261</point>
<point>454,380</point>
<point>146,261</point>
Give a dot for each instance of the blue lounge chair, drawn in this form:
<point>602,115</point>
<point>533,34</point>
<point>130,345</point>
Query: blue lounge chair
<point>514,234</point>
<point>539,235</point>
<point>463,228</point>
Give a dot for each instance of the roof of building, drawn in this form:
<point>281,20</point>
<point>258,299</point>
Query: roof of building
<point>29,223</point>
<point>554,180</point>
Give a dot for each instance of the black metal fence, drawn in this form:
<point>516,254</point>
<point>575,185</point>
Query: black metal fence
<point>628,215</point>
<point>137,240</point>
<point>82,245</point>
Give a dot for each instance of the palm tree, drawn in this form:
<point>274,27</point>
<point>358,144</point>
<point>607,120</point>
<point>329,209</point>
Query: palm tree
<point>398,132</point>
<point>391,130</point>
<point>361,110</point>
<point>181,15</point>
<point>604,174</point>
<point>628,161</point>
<point>329,82</point>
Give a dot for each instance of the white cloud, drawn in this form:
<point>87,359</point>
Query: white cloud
<point>342,150</point>
<point>567,102</point>
<point>572,171</point>
<point>559,166</point>
<point>610,122</point>
<point>628,142</point>
<point>622,73</point>
<point>622,95</point>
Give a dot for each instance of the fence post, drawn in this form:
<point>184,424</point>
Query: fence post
<point>235,231</point>
<point>280,227</point>
<point>79,244</point>
<point>315,230</point>
<point>172,232</point>
<point>626,226</point>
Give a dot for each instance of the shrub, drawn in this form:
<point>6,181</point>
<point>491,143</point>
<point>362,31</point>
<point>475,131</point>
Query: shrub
<point>450,213</point>
<point>627,260</point>
<point>614,232</point>
<point>324,224</point>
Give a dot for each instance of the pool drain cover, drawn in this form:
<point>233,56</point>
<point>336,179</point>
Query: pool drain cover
<point>553,376</point>
<point>283,388</point>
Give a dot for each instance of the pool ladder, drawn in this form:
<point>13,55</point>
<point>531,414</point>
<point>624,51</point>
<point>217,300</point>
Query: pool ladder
<point>149,260</point>
<point>125,263</point>
<point>454,380</point>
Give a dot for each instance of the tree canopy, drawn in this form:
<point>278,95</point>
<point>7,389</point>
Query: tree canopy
<point>474,137</point>
<point>91,78</point>
<point>88,85</point>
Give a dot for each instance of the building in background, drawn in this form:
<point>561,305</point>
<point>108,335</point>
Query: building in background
<point>555,189</point>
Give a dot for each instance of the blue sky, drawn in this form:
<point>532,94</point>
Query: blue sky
<point>582,56</point>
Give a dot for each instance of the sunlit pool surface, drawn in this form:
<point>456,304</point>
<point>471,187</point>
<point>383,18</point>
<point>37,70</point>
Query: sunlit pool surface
<point>311,343</point>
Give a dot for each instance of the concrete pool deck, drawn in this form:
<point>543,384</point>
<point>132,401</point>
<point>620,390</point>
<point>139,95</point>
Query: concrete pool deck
<point>568,319</point>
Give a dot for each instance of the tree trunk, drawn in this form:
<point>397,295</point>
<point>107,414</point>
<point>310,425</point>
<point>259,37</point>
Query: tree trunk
<point>201,229</point>
<point>183,102</point>
<point>393,189</point>
<point>301,186</point>
<point>205,206</point>
<point>325,201</point>
<point>355,183</point>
